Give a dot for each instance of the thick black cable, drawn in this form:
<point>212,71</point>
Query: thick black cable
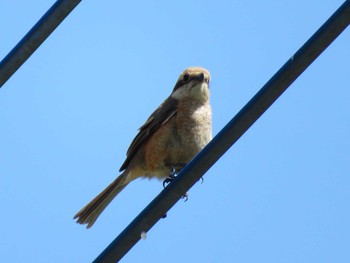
<point>228,135</point>
<point>35,37</point>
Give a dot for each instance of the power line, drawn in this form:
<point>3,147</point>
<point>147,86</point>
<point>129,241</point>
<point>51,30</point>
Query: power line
<point>35,37</point>
<point>289,72</point>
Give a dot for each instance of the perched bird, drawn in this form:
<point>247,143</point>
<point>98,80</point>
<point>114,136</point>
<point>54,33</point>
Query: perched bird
<point>175,132</point>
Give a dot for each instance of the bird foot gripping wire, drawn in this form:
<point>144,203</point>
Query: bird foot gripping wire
<point>170,178</point>
<point>185,196</point>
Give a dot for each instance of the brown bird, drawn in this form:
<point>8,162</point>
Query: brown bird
<point>175,132</point>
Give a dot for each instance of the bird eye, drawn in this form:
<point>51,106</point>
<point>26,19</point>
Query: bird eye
<point>186,77</point>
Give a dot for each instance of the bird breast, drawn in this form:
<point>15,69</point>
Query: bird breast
<point>194,130</point>
<point>179,139</point>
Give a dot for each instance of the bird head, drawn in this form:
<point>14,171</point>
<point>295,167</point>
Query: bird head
<point>193,84</point>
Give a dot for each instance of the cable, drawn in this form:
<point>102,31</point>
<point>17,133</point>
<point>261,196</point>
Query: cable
<point>35,37</point>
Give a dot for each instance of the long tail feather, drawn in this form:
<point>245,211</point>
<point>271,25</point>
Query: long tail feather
<point>89,213</point>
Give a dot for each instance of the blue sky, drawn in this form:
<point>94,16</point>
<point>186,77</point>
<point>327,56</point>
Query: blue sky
<point>280,194</point>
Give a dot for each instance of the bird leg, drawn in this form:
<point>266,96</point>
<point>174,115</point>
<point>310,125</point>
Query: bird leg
<point>174,171</point>
<point>170,177</point>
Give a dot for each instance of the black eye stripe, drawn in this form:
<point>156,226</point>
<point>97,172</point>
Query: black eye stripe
<point>179,84</point>
<point>186,77</point>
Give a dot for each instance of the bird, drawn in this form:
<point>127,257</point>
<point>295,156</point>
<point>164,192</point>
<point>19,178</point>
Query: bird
<point>173,134</point>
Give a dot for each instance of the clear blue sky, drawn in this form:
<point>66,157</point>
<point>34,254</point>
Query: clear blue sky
<point>281,194</point>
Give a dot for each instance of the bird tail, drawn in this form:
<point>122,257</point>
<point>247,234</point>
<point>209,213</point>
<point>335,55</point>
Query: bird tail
<point>89,213</point>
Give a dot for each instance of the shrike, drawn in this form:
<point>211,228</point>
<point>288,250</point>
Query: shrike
<point>175,132</point>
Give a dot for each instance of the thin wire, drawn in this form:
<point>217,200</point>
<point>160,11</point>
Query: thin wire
<point>290,71</point>
<point>35,37</point>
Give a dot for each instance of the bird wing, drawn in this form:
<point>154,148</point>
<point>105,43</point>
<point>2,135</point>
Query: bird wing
<point>159,117</point>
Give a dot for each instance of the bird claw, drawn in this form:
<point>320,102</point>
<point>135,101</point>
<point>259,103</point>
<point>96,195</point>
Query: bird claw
<point>185,196</point>
<point>170,178</point>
